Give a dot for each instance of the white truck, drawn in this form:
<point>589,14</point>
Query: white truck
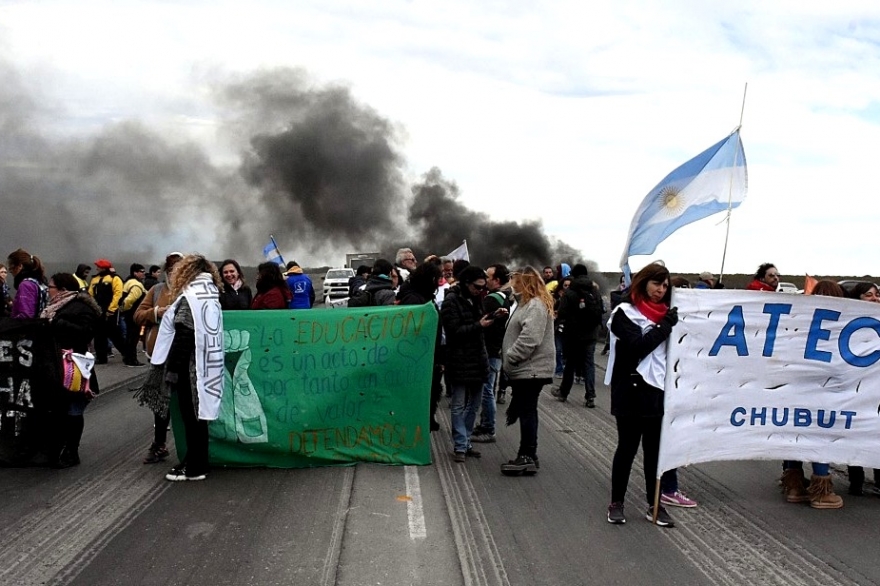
<point>336,283</point>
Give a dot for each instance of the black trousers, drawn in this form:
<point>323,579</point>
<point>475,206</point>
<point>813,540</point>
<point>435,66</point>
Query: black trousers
<point>196,457</point>
<point>108,328</point>
<point>632,431</point>
<point>524,402</point>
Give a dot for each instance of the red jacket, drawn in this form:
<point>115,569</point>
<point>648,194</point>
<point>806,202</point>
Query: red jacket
<point>757,285</point>
<point>274,298</point>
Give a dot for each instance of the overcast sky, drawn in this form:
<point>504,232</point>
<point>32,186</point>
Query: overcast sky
<point>568,112</point>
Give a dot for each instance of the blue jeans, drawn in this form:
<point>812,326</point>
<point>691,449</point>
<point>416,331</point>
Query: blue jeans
<point>560,358</point>
<point>818,469</point>
<point>487,415</point>
<point>463,408</point>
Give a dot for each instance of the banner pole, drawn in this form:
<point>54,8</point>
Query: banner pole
<point>656,501</point>
<point>730,190</point>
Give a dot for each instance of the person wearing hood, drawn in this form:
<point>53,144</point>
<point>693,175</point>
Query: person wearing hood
<point>359,279</point>
<point>82,276</point>
<point>467,362</point>
<point>379,288</point>
<point>30,288</point>
<point>580,313</point>
<point>300,286</point>
<point>562,271</point>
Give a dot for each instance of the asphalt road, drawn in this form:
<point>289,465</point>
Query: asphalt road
<point>114,520</point>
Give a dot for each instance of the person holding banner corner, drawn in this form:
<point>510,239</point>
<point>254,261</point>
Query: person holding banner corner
<point>639,328</point>
<point>863,291</point>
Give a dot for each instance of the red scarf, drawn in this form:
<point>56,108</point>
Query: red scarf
<point>653,311</point>
<point>757,285</point>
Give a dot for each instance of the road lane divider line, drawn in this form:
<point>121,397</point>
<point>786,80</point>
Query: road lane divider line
<point>414,511</point>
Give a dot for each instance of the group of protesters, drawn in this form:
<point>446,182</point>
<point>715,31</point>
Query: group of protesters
<point>83,315</point>
<point>499,332</point>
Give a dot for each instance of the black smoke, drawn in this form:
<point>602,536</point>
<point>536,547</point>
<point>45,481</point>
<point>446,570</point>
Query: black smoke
<point>317,168</point>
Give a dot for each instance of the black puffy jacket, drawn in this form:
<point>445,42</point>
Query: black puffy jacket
<point>466,357</point>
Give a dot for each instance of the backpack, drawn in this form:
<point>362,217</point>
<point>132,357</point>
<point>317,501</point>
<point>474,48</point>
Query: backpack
<point>586,313</point>
<point>103,292</point>
<point>361,298</point>
<point>42,296</point>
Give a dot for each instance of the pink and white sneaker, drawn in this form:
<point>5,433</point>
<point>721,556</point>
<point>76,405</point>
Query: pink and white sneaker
<point>677,499</point>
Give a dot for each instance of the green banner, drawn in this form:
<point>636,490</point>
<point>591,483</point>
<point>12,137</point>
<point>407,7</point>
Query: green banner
<point>325,387</point>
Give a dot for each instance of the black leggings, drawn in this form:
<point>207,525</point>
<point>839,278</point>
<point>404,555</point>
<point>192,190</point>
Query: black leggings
<point>632,430</point>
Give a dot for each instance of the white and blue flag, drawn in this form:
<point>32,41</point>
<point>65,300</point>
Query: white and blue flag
<point>713,181</point>
<point>271,252</point>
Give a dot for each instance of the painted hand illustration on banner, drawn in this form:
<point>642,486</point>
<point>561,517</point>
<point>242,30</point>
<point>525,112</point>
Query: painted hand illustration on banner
<point>241,413</point>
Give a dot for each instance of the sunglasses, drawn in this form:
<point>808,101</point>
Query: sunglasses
<point>477,287</point>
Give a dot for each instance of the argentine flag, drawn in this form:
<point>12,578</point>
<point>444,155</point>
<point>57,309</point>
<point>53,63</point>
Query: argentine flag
<point>271,252</point>
<point>711,182</point>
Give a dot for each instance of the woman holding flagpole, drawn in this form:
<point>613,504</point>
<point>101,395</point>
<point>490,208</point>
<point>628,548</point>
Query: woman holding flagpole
<point>639,328</point>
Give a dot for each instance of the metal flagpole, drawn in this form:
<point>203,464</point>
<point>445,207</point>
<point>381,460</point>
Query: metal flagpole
<point>275,244</point>
<point>730,187</point>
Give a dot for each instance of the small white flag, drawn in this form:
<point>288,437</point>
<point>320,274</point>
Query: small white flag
<point>460,253</point>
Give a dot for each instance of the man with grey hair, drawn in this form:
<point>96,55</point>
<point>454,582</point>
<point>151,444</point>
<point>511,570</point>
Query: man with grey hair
<point>405,261</point>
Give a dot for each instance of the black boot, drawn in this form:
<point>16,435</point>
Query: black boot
<point>73,435</point>
<point>856,479</point>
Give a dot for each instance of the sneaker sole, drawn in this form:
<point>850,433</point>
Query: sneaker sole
<point>617,522</point>
<point>676,504</point>
<point>509,470</point>
<point>650,518</point>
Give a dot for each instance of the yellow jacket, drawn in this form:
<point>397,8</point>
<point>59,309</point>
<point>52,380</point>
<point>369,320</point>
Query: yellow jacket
<point>132,290</point>
<point>116,282</point>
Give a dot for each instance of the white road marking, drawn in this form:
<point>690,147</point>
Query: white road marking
<point>417,529</point>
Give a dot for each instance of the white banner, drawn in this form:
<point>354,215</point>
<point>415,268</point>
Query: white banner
<point>756,376</point>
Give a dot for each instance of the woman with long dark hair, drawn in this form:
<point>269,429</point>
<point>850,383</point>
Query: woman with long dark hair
<point>639,326</point>
<point>272,289</point>
<point>30,282</point>
<point>235,293</point>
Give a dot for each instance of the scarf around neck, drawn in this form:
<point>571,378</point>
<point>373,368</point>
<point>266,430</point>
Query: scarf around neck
<point>653,311</point>
<point>60,301</point>
<point>204,302</point>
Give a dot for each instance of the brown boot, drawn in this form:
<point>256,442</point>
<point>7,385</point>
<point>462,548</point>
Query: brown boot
<point>822,493</point>
<point>793,486</point>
